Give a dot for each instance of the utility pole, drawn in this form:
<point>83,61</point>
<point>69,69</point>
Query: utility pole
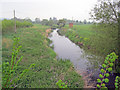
<point>14,21</point>
<point>72,19</point>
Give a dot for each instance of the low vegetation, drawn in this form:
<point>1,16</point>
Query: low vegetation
<point>9,69</point>
<point>107,68</point>
<point>35,50</point>
<point>8,25</point>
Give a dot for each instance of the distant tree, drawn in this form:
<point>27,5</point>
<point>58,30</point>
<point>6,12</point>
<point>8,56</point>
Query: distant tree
<point>61,23</point>
<point>77,21</point>
<point>85,21</point>
<point>50,22</point>
<point>80,22</point>
<point>50,19</point>
<point>28,19</point>
<point>37,20</point>
<point>44,22</point>
<point>54,18</point>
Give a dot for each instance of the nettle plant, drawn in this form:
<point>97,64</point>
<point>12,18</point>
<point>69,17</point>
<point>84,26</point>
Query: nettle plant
<point>117,82</point>
<point>106,70</point>
<point>9,77</point>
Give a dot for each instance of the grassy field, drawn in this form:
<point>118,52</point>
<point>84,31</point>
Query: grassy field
<point>95,39</point>
<point>35,49</point>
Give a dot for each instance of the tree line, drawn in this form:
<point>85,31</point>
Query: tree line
<point>54,20</point>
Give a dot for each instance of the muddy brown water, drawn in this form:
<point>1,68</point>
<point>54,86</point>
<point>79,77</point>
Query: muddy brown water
<point>66,49</point>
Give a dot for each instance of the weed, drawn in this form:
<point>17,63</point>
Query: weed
<point>9,69</point>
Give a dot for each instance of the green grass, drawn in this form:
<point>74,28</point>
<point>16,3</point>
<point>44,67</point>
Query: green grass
<point>35,49</point>
<point>82,30</point>
<point>79,33</point>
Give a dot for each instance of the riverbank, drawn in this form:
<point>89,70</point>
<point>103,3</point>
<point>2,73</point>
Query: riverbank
<point>35,49</point>
<point>66,49</point>
<point>97,41</point>
<point>94,39</point>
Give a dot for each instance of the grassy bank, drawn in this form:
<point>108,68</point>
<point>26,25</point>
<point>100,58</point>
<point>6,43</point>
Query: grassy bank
<point>35,49</point>
<point>96,39</point>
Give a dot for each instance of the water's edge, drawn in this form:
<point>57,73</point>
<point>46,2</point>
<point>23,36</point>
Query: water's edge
<point>66,49</point>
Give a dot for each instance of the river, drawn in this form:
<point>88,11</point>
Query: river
<point>66,49</point>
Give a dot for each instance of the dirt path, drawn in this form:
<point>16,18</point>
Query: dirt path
<point>87,83</point>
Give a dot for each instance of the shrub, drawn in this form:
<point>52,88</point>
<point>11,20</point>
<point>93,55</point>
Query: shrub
<point>106,70</point>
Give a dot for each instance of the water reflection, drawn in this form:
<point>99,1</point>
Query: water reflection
<point>66,49</point>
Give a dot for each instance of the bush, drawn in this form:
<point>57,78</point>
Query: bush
<point>107,68</point>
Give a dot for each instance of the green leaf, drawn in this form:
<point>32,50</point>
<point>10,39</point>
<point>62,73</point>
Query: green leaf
<point>106,62</point>
<point>110,69</point>
<point>100,75</point>
<point>117,77</point>
<point>111,64</point>
<point>102,70</point>
<point>106,58</point>
<point>57,83</point>
<point>65,86</point>
<point>60,86</point>
<point>32,65</point>
<point>111,56</point>
<point>111,60</point>
<point>106,80</point>
<point>7,63</point>
<point>116,80</point>
<point>103,85</point>
<point>99,81</point>
<point>103,65</point>
<point>116,87</point>
<point>98,85</point>
<point>107,74</point>
<point>116,84</point>
<point>60,81</point>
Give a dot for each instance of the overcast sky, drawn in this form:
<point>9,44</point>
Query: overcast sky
<point>44,9</point>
